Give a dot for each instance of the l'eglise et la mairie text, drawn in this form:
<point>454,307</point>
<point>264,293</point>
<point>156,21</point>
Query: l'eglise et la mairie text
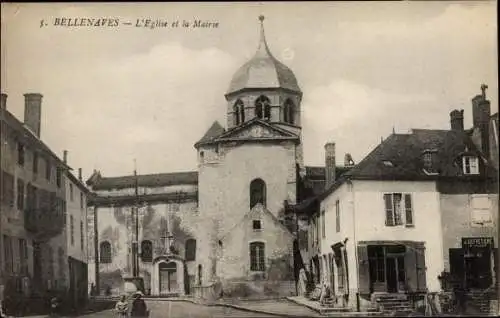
<point>87,22</point>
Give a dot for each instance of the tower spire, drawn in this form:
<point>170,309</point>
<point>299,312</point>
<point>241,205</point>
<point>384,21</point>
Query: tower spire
<point>263,48</point>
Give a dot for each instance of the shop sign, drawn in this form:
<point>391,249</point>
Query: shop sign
<point>477,242</point>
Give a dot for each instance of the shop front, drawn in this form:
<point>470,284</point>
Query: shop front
<point>473,266</point>
<point>391,267</point>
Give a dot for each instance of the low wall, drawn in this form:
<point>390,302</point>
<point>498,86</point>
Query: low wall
<point>258,289</point>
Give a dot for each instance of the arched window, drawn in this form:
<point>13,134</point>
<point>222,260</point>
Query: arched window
<point>263,107</point>
<point>190,250</point>
<point>289,112</point>
<point>257,192</point>
<point>147,251</point>
<point>105,252</point>
<point>239,112</point>
<point>257,256</point>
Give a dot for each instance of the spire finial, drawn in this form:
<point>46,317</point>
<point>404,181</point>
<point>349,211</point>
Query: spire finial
<point>263,43</point>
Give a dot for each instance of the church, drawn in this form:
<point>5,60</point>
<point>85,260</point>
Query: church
<point>221,229</point>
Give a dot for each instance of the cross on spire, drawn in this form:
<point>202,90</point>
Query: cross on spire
<point>483,90</point>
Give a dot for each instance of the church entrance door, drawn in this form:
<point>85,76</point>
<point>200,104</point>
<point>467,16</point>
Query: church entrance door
<point>168,278</point>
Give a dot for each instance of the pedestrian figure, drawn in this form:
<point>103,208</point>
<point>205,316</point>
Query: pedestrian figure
<point>139,308</point>
<point>54,307</point>
<point>121,307</point>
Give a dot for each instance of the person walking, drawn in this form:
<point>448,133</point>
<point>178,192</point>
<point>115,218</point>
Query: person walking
<point>121,307</point>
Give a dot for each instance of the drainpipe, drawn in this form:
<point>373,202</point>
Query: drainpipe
<point>356,263</point>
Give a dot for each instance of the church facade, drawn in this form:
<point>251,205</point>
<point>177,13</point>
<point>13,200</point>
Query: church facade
<point>221,229</point>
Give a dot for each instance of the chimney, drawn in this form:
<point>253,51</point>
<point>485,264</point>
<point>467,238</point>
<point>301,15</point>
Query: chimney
<point>348,162</point>
<point>65,156</point>
<point>329,164</point>
<point>3,101</point>
<point>33,112</point>
<point>481,113</point>
<point>457,120</point>
<point>80,174</point>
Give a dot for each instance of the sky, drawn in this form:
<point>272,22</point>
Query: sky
<point>115,94</point>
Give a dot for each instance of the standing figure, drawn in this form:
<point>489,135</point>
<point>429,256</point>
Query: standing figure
<point>139,308</point>
<point>121,307</point>
<point>302,282</point>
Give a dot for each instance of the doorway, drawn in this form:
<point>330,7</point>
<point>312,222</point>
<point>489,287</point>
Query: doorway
<point>168,277</point>
<point>395,272</point>
<point>478,269</point>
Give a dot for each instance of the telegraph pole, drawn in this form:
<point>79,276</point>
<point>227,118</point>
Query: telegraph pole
<point>136,241</point>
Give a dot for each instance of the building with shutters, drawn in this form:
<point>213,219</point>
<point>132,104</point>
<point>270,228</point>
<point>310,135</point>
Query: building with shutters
<point>416,207</point>
<point>33,253</point>
<point>76,227</point>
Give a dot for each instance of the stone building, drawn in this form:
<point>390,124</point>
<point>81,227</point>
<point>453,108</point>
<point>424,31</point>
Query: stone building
<point>221,228</point>
<point>33,250</point>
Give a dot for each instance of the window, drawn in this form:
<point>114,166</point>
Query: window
<point>71,192</point>
<point>7,189</point>
<point>288,112</point>
<point>257,192</point>
<point>35,162</point>
<point>337,216</point>
<point>376,263</point>
<point>23,255</point>
<point>190,250</point>
<point>428,159</point>
<point>20,154</point>
<point>81,200</point>
<point>470,165</point>
<point>257,225</point>
<point>323,227</point>
<point>263,107</point>
<point>147,251</point>
<point>20,195</point>
<point>394,205</point>
<point>82,236</point>
<point>72,229</point>
<point>105,255</point>
<point>48,169</point>
<point>58,177</point>
<point>481,210</point>
<point>388,163</point>
<point>257,254</point>
<point>9,261</point>
<point>239,112</point>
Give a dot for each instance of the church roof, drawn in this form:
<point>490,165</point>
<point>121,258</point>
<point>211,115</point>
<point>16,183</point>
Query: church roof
<point>145,180</point>
<point>214,131</point>
<point>263,71</point>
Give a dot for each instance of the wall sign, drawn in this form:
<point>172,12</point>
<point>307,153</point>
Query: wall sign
<point>477,242</point>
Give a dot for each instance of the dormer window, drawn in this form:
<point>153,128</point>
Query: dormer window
<point>470,165</point>
<point>428,158</point>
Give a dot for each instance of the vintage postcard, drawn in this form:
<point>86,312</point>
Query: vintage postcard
<point>249,159</point>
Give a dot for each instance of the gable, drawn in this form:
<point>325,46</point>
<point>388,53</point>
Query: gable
<point>257,129</point>
<point>269,222</point>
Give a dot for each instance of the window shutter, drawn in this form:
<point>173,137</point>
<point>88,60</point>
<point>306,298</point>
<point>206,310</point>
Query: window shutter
<point>389,221</point>
<point>408,210</point>
<point>411,268</point>
<point>421,269</point>
<point>364,269</point>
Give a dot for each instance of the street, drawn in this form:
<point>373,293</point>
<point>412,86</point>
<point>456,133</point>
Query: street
<point>177,309</point>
